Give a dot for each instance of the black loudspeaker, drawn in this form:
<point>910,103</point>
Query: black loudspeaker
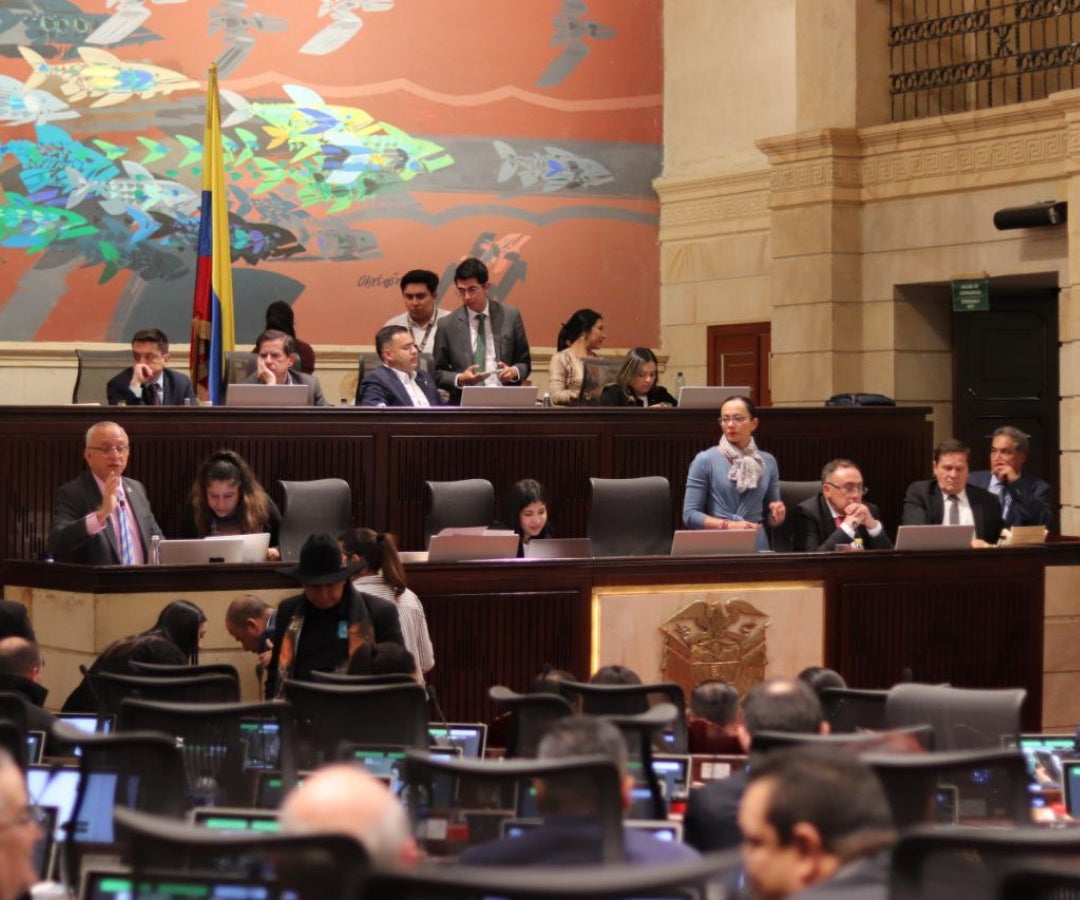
<point>1038,215</point>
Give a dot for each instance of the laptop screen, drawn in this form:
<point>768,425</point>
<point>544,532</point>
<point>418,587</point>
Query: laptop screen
<point>263,743</point>
<point>470,737</point>
<point>221,819</point>
<point>58,787</point>
<point>116,886</point>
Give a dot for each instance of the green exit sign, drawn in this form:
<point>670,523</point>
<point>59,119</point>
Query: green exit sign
<point>970,294</point>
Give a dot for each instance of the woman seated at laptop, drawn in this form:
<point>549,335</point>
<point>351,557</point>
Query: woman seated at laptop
<point>172,640</point>
<point>382,575</point>
<point>227,499</point>
<point>525,510</point>
<point>734,485</point>
<point>580,337</point>
<point>636,384</point>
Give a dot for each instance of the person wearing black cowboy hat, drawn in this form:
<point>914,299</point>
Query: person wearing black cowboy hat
<point>321,628</point>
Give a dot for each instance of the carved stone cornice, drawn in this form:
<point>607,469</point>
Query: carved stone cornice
<point>703,206</point>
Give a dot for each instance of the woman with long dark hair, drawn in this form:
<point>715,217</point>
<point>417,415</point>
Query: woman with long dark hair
<point>226,499</point>
<point>580,337</point>
<point>525,509</point>
<point>636,383</point>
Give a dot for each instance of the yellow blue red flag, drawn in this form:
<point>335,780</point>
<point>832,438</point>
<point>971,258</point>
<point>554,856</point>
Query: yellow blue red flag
<point>213,329</point>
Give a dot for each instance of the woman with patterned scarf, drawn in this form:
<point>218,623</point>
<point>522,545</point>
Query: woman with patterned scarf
<point>734,485</point>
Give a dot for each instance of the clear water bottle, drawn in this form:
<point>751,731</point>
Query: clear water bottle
<point>680,383</point>
<point>155,550</point>
<point>547,398</point>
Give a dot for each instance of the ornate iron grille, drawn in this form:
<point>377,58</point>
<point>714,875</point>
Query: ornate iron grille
<point>950,56</point>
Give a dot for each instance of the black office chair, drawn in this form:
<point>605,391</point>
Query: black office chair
<point>792,493</point>
<point>96,369</point>
<point>1039,881</point>
<point>13,710</point>
<point>329,716</point>
<point>630,516</point>
<point>963,719</point>
<point>345,678</point>
<point>13,739</point>
<point>111,689</point>
<point>697,879</point>
<point>642,732</point>
<point>914,739</point>
<point>168,670</point>
<point>239,364</point>
<point>965,787</point>
<point>632,700</point>
<point>458,504</point>
<point>312,507</point>
<point>470,799</point>
<point>311,866</point>
<point>531,715</point>
<point>366,362</point>
<point>137,770</point>
<point>597,374</point>
<point>932,863</point>
<point>223,744</point>
<point>851,709</point>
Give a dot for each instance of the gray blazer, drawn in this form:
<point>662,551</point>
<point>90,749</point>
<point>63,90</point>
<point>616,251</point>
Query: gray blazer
<point>70,542</point>
<point>454,350</point>
<point>315,394</point>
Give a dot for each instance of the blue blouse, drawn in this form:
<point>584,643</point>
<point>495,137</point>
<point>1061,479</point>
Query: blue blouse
<point>709,492</point>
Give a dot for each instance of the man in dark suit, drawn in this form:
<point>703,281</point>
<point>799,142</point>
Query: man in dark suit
<point>1024,500</point>
<point>481,343</point>
<point>399,380</point>
<point>571,833</point>
<point>276,353</point>
<point>322,627</point>
<point>148,382</point>
<point>791,706</point>
<point>20,673</point>
<point>925,501</point>
<point>102,518</point>
<point>816,824</point>
<point>839,516</point>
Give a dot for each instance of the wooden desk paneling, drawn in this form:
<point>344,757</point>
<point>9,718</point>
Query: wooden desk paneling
<point>386,455</point>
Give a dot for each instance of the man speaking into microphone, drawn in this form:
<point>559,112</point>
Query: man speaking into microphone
<point>102,518</point>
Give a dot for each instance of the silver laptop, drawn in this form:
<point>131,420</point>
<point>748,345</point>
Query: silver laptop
<point>696,396</point>
<point>934,537</point>
<point>267,395</point>
<point>255,546</point>
<point>201,552</point>
<point>518,397</point>
<point>465,547</point>
<point>558,548</point>
<point>712,542</point>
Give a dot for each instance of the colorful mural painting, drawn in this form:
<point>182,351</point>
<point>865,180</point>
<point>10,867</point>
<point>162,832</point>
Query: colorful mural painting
<point>363,138</point>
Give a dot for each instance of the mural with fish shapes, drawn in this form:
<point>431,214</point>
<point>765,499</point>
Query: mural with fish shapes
<point>362,138</point>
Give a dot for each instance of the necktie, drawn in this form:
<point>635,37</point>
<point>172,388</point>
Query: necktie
<point>480,357</point>
<point>839,521</point>
<point>998,487</point>
<point>151,397</point>
<point>123,524</point>
<point>954,511</point>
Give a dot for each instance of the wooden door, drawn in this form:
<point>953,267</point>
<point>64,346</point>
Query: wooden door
<point>739,354</point>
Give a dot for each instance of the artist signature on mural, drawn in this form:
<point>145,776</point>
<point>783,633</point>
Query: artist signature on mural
<point>378,281</point>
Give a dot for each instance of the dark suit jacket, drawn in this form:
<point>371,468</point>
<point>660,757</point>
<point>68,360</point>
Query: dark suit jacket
<point>69,541</point>
<point>1030,498</point>
<point>454,348</point>
<point>815,528</point>
<point>923,505</point>
<point>315,394</point>
<point>712,814</point>
<point>14,621</point>
<point>866,878</point>
<point>176,388</point>
<point>613,395</point>
<point>381,387</point>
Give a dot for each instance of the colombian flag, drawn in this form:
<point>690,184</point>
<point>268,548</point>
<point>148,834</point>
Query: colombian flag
<point>212,326</point>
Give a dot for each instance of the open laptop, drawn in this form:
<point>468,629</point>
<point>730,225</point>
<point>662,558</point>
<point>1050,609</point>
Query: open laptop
<point>670,832</point>
<point>934,537</point>
<point>267,395</point>
<point>201,552</point>
<point>224,818</point>
<point>255,546</point>
<point>696,396</point>
<point>712,542</point>
<point>52,786</point>
<point>45,848</point>
<point>503,397</point>
<point>558,548</point>
<point>118,885</point>
<point>470,737</point>
<point>35,747</point>
<point>466,547</point>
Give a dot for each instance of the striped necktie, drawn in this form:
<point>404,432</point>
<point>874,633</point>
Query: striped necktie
<point>123,523</point>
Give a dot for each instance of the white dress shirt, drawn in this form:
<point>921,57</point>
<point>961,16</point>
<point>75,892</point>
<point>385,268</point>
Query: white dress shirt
<point>408,379</point>
<point>966,516</point>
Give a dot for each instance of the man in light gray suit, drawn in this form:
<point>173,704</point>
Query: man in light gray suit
<point>275,350</point>
<point>102,518</point>
<point>482,342</point>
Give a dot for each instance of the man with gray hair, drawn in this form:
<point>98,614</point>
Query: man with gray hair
<point>346,799</point>
<point>1024,500</point>
<point>19,832</point>
<point>102,518</point>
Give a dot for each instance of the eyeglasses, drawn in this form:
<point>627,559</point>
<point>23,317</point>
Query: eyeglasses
<point>25,816</point>
<point>111,449</point>
<point>850,488</point>
<point>471,291</point>
<point>734,420</point>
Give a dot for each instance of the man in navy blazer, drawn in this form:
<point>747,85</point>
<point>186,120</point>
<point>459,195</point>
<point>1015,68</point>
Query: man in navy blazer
<point>1024,500</point>
<point>924,503</point>
<point>93,514</point>
<point>399,381</point>
<point>483,342</point>
<point>148,382</point>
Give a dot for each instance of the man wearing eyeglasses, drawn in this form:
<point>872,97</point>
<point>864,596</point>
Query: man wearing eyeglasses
<point>840,515</point>
<point>19,832</point>
<point>102,518</point>
<point>481,343</point>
